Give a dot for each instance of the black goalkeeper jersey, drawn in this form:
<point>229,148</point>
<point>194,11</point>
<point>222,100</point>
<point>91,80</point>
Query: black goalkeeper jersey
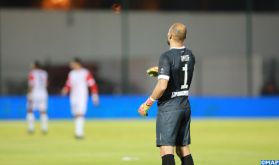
<point>177,66</point>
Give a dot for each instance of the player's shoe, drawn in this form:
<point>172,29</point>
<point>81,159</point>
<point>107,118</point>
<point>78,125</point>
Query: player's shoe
<point>79,137</point>
<point>44,132</point>
<point>30,132</point>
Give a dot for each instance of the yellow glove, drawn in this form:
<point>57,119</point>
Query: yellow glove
<point>143,109</point>
<point>152,72</point>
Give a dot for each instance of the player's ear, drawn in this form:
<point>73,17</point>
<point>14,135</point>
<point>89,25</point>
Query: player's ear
<point>169,36</point>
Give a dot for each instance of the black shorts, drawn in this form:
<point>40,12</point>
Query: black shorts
<point>173,123</point>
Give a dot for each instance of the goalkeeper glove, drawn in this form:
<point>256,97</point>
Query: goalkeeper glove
<point>143,109</point>
<point>152,72</point>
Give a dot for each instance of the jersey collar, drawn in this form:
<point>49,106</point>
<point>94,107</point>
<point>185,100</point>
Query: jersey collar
<point>177,47</point>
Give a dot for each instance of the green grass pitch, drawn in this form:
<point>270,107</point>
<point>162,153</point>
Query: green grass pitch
<point>132,142</point>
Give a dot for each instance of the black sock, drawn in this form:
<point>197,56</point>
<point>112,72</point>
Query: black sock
<point>168,159</point>
<point>187,160</point>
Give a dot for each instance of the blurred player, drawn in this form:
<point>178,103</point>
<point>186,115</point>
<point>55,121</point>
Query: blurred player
<point>77,84</point>
<point>37,97</point>
<point>175,73</point>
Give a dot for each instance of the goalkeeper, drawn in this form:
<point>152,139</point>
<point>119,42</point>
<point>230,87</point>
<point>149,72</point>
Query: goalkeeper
<point>174,73</point>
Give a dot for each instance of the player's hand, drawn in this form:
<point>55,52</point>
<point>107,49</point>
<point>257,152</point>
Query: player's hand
<point>95,99</point>
<point>29,97</point>
<point>143,109</point>
<point>153,71</point>
<point>64,91</point>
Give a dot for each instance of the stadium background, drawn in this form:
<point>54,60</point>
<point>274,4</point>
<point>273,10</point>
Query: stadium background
<point>236,77</point>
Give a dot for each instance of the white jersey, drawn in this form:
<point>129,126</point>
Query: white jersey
<point>78,82</point>
<point>37,81</point>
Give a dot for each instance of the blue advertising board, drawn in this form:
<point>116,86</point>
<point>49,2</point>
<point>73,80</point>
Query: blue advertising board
<point>125,106</point>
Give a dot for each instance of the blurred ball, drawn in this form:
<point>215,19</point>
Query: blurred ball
<point>116,8</point>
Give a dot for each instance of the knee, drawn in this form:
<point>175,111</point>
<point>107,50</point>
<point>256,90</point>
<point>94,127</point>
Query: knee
<point>178,152</point>
<point>78,115</point>
<point>182,151</point>
<point>166,150</point>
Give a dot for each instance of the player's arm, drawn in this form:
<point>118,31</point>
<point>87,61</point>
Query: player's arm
<point>30,82</point>
<point>161,86</point>
<point>159,89</point>
<point>46,80</point>
<point>67,87</point>
<point>94,88</point>
<point>30,87</point>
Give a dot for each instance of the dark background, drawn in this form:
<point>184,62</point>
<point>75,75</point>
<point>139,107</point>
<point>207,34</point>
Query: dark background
<point>173,5</point>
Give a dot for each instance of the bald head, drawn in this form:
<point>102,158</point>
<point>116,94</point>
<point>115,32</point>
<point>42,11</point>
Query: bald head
<point>178,32</point>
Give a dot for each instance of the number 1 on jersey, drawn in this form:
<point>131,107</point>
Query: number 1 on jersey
<point>185,69</point>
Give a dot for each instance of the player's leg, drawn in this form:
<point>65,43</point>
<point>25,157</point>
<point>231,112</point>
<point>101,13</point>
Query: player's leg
<point>167,155</point>
<point>77,116</point>
<point>185,155</point>
<point>79,126</point>
<point>167,131</point>
<point>79,111</point>
<point>162,136</point>
<point>43,116</point>
<point>184,139</point>
<point>182,151</point>
<point>30,115</point>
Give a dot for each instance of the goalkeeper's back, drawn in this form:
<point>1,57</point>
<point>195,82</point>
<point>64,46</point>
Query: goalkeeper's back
<point>176,65</point>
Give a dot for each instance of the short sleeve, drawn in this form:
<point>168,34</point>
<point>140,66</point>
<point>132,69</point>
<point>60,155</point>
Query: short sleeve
<point>164,68</point>
<point>31,79</point>
<point>194,59</point>
<point>90,79</point>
